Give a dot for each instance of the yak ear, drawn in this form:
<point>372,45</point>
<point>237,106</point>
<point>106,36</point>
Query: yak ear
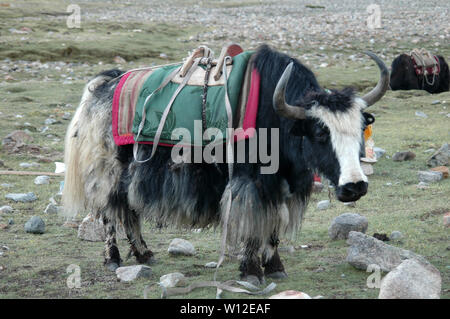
<point>298,129</point>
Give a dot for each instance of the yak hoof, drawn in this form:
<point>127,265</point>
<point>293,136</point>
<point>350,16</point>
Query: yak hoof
<point>277,275</point>
<point>254,280</point>
<point>112,265</point>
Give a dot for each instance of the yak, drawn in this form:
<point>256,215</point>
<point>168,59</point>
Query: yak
<point>319,132</point>
<point>404,76</point>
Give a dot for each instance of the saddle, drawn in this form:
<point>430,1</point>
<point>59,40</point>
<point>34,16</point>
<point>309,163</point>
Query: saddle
<point>150,103</point>
<point>424,62</point>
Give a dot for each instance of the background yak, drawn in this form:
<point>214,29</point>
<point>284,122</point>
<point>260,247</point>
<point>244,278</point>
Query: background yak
<point>319,131</point>
<point>404,77</point>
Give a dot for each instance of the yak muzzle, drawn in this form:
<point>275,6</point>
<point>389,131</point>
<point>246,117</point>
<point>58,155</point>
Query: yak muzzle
<point>351,192</point>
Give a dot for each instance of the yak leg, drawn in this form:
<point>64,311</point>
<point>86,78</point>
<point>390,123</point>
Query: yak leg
<point>273,267</point>
<point>138,247</point>
<point>250,266</point>
<point>112,255</point>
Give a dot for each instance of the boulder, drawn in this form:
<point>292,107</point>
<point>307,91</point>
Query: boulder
<point>365,250</point>
<point>411,280</point>
<point>180,246</point>
<point>345,223</point>
<point>403,156</point>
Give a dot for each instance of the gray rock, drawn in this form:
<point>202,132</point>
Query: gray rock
<point>323,204</point>
<point>421,114</point>
<point>51,209</point>
<point>367,168</point>
<point>24,198</point>
<point>180,246</point>
<point>411,280</point>
<point>396,235</point>
<point>441,157</point>
<point>365,250</point>
<point>35,225</point>
<point>172,280</point>
<point>6,209</point>
<point>66,116</point>
<point>6,185</point>
<point>43,179</point>
<point>287,249</point>
<point>403,156</point>
<point>379,152</point>
<point>130,273</point>
<point>422,185</point>
<point>211,264</point>
<point>50,121</point>
<point>429,176</point>
<point>92,229</point>
<point>435,102</point>
<point>345,223</point>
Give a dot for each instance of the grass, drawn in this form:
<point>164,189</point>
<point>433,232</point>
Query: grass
<point>35,266</point>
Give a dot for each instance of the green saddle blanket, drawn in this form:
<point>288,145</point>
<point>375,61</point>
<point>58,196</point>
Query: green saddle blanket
<point>187,107</point>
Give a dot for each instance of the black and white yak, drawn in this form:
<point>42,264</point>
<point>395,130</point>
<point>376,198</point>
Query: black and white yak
<point>404,76</point>
<point>319,131</point>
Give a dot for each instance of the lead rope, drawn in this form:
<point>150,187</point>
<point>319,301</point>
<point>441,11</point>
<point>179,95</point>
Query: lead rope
<point>251,289</point>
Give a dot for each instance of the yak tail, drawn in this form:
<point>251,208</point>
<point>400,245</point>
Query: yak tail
<point>74,194</point>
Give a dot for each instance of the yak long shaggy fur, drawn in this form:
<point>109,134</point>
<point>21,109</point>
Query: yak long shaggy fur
<point>103,178</point>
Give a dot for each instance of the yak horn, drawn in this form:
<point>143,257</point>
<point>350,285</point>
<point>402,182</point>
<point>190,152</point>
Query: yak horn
<point>377,93</point>
<point>279,100</point>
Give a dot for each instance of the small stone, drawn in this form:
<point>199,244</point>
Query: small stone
<point>396,235</point>
<point>441,157</point>
<point>35,225</point>
<point>211,264</point>
<point>446,219</point>
<point>41,180</point>
<point>288,249</point>
<point>180,246</point>
<point>50,121</point>
<point>365,250</point>
<point>411,280</point>
<point>130,273</point>
<point>163,56</point>
<point>350,204</point>
<point>421,114</point>
<point>10,221</point>
<point>345,223</point>
<point>323,204</point>
<point>6,209</point>
<point>290,294</point>
<point>429,176</point>
<point>367,168</point>
<point>379,152</point>
<point>51,209</point>
<point>442,169</point>
<point>430,150</point>
<point>172,280</point>
<point>24,198</point>
<point>403,156</point>
<point>66,116</point>
<point>6,185</point>
<point>435,102</point>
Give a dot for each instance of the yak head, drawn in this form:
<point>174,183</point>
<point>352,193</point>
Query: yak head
<point>331,124</point>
